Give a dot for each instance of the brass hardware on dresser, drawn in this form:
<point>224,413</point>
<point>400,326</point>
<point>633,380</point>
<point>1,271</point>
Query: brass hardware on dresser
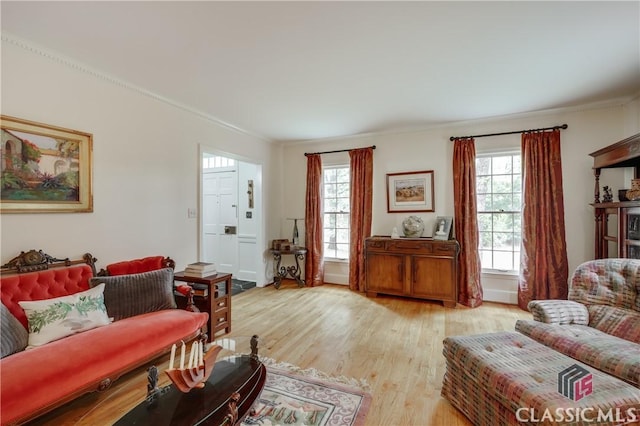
<point>415,267</point>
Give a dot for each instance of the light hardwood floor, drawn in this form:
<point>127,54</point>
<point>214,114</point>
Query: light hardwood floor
<point>393,343</point>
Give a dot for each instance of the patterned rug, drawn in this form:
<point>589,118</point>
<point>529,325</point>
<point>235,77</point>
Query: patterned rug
<point>292,396</point>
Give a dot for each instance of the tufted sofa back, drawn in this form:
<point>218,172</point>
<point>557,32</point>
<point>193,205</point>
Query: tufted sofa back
<point>136,266</point>
<point>609,282</point>
<point>42,285</point>
<point>610,289</point>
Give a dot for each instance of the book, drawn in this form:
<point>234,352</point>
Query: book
<point>201,290</point>
<point>200,269</point>
<point>199,274</point>
<point>210,269</point>
<point>201,266</point>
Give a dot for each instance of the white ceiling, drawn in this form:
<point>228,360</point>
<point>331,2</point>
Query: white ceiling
<point>307,70</point>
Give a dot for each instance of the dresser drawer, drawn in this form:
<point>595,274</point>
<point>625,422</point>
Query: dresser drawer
<point>374,245</point>
<point>410,245</point>
<point>445,249</point>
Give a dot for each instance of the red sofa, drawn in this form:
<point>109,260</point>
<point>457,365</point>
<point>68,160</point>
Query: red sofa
<point>34,381</point>
<point>137,266</point>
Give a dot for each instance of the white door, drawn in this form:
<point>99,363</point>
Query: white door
<point>249,218</point>
<point>220,219</point>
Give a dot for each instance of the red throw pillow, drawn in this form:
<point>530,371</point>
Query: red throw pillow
<point>136,266</point>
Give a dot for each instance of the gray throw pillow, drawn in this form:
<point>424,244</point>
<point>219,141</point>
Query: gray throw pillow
<point>130,295</point>
<point>13,335</point>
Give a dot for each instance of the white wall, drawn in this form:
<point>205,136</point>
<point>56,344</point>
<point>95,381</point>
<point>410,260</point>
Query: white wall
<point>589,130</point>
<point>145,167</point>
<point>632,116</point>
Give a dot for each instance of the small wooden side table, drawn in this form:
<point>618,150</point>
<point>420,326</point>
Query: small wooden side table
<point>217,303</point>
<point>281,272</point>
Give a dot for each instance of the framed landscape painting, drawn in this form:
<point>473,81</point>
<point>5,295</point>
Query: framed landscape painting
<point>410,192</point>
<point>45,168</point>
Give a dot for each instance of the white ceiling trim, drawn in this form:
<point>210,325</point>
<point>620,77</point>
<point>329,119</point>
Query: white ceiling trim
<point>78,66</point>
<point>478,122</point>
<point>296,71</point>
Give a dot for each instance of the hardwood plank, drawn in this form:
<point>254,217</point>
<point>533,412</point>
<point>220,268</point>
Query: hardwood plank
<point>394,343</point>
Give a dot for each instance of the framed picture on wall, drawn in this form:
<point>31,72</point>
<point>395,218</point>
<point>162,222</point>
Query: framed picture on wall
<point>410,192</point>
<point>45,169</point>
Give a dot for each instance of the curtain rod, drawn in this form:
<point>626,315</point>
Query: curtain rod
<point>338,150</point>
<point>564,126</point>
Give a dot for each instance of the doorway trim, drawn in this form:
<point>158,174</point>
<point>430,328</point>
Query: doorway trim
<point>258,190</point>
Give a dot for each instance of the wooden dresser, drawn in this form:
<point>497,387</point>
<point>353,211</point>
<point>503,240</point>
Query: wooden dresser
<point>415,267</point>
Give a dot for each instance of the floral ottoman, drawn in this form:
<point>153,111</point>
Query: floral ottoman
<point>509,379</point>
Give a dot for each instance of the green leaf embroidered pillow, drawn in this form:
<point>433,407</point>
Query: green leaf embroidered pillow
<point>52,319</point>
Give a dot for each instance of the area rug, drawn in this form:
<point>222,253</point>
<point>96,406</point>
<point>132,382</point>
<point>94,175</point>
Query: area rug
<point>292,396</point>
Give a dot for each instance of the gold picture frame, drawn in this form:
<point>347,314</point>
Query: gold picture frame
<point>45,168</point>
<point>410,192</point>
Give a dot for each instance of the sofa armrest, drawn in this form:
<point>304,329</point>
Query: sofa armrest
<point>560,312</point>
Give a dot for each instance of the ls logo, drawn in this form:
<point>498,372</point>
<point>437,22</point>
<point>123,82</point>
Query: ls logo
<point>575,382</point>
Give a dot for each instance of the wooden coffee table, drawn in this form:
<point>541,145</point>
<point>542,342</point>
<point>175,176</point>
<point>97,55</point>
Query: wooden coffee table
<point>226,398</point>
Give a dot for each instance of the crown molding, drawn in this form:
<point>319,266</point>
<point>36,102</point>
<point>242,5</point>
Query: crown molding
<point>78,66</point>
<point>465,123</point>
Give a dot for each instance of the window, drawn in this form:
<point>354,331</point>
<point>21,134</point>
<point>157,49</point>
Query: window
<point>499,192</point>
<point>336,212</point>
<point>217,162</point>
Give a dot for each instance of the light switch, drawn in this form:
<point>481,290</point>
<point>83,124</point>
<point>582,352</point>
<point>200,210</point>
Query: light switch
<point>249,215</point>
<point>191,213</point>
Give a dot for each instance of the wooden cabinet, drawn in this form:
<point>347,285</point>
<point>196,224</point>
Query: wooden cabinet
<point>415,267</point>
<point>631,238</point>
<point>617,223</point>
<point>622,238</point>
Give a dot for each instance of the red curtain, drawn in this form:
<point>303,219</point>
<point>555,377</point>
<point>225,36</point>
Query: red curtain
<point>361,168</point>
<point>314,264</point>
<point>466,222</point>
<point>544,267</point>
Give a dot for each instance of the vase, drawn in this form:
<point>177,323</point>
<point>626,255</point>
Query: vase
<point>412,227</point>
<point>622,195</point>
<point>296,236</point>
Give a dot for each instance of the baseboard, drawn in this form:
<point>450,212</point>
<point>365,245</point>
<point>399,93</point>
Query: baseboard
<point>246,276</point>
<point>500,296</point>
<point>489,295</point>
<point>336,279</point>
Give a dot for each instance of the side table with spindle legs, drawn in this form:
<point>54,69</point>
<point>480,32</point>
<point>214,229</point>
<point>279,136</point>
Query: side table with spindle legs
<point>281,272</point>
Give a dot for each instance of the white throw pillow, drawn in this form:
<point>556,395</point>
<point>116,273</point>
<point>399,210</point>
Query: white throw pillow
<point>52,319</point>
